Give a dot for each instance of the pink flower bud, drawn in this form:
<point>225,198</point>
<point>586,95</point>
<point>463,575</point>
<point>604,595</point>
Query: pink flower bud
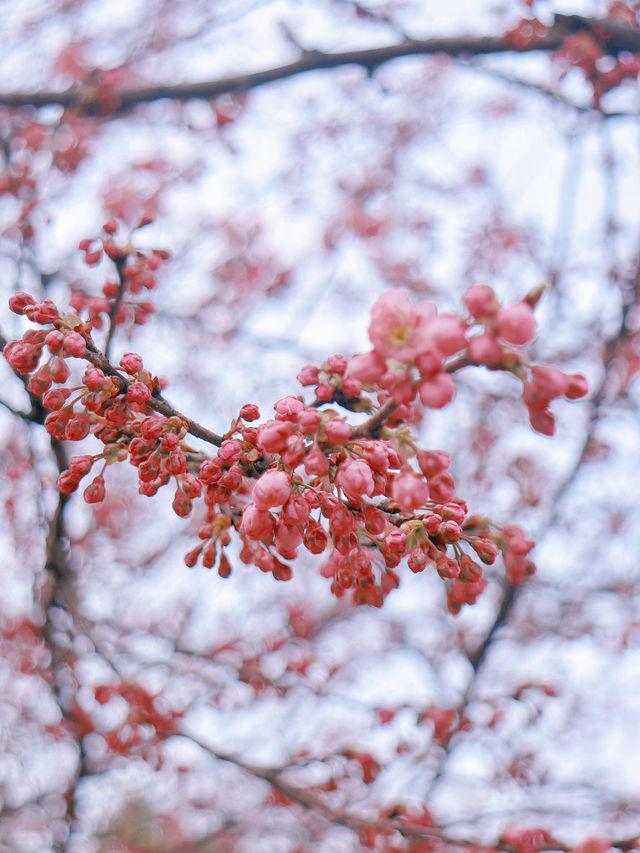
<point>131,362</point>
<point>256,523</point>
<point>480,301</point>
<point>577,386</point>
<point>138,392</point>
<point>355,478</point>
<point>59,369</point>
<point>351,387</point>
<point>229,452</point>
<point>54,341</point>
<point>20,301</point>
<point>516,323</point>
<point>288,408</point>
<point>433,462</point>
<point>272,436</point>
<point>308,420</point>
<point>249,412</point>
<point>437,391</point>
<point>324,391</point>
<point>81,465</point>
<point>67,481</point>
<point>315,538</point>
<point>316,463</point>
<point>429,362</point>
<point>549,381</point>
<point>448,334</point>
<point>377,455</point>
<point>94,378</point>
<point>367,367</point>
<point>94,493</point>
<point>73,344</point>
<point>337,364</point>
<point>308,375</point>
<point>485,349</point>
<point>43,312</point>
<point>295,452</point>
<point>409,491</point>
<point>272,489</point>
<point>337,431</point>
<point>287,539</point>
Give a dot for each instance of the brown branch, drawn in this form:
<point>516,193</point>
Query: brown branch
<point>302,797</point>
<point>157,402</point>
<point>614,37</point>
<point>119,263</point>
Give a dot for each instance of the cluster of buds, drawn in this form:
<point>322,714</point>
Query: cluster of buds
<point>366,496</point>
<point>136,274</point>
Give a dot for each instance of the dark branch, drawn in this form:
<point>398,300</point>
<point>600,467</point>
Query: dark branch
<point>369,59</point>
<point>614,37</point>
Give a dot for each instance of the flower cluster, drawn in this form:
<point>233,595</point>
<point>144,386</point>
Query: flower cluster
<point>123,299</point>
<point>365,496</point>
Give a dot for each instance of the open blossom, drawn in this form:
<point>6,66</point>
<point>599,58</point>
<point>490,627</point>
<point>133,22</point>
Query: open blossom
<point>409,491</point>
<point>355,478</point>
<point>399,329</point>
<point>272,489</point>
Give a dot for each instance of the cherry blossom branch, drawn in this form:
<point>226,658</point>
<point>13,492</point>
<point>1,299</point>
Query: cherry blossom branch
<point>614,37</point>
<point>384,826</point>
<point>157,402</point>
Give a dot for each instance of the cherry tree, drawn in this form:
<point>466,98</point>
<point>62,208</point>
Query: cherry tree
<point>320,430</point>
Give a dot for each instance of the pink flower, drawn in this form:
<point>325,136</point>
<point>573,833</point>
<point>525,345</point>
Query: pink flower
<point>288,408</point>
<point>130,361</point>
<point>73,344</point>
<point>351,387</point>
<point>296,511</point>
<point>367,367</point>
<point>437,391</point>
<point>429,362</point>
<point>516,323</point>
<point>480,301</point>
<point>549,381</point>
<point>485,349</point>
<point>355,478</point>
<point>286,539</point>
<point>398,328</point>
<point>308,420</point>
<point>249,412</point>
<point>577,386</point>
<point>20,301</point>
<point>337,431</point>
<point>447,333</point>
<point>138,392</point>
<point>308,375</point>
<point>375,452</point>
<point>409,491</point>
<point>256,523</point>
<point>272,489</point>
<point>337,364</point>
<point>316,462</point>
<point>272,436</point>
<point>230,451</point>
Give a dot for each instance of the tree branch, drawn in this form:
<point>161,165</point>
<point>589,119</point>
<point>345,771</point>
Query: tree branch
<point>614,37</point>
